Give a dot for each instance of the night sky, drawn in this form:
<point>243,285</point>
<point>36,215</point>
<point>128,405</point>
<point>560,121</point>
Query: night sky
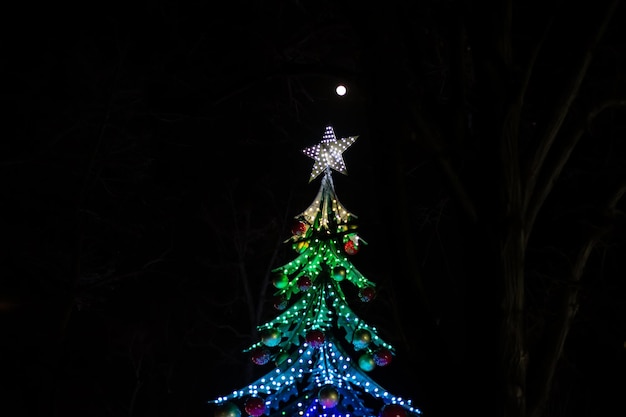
<point>151,168</point>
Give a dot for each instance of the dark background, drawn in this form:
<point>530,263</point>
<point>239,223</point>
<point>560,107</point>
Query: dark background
<point>151,166</point>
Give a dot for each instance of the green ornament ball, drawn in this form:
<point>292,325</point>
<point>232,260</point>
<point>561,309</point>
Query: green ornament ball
<point>227,410</point>
<point>328,396</point>
<point>361,339</point>
<point>339,273</point>
<point>366,362</point>
<point>281,357</point>
<point>280,281</point>
<point>270,337</point>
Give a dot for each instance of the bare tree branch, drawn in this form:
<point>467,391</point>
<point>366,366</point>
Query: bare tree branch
<point>546,364</point>
<point>432,137</point>
<point>530,66</point>
<point>552,172</point>
<point>563,105</point>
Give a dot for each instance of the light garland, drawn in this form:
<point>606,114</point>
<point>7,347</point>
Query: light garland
<point>305,339</point>
<point>328,153</point>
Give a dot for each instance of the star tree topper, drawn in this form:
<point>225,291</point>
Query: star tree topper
<point>327,153</point>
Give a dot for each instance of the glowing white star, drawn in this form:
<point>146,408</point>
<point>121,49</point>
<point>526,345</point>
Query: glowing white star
<point>328,152</point>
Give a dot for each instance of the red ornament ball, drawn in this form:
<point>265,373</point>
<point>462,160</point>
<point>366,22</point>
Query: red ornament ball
<point>280,302</point>
<point>392,410</point>
<point>351,248</point>
<point>315,338</point>
<point>260,356</point>
<point>227,410</point>
<point>382,357</point>
<point>304,283</point>
<point>255,406</point>
<point>299,228</point>
<point>328,396</point>
<point>367,294</point>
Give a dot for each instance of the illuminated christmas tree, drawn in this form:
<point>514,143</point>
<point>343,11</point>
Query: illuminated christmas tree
<point>321,350</point>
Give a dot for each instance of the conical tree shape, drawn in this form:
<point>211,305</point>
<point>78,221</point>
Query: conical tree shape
<point>321,349</point>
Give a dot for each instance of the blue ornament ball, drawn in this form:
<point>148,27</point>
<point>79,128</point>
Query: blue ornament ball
<point>366,362</point>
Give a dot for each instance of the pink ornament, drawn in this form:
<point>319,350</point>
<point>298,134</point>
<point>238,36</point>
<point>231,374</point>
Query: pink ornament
<point>367,294</point>
<point>315,338</point>
<point>280,303</point>
<point>392,410</point>
<point>382,357</point>
<point>260,356</point>
<point>304,283</point>
<point>255,406</point>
